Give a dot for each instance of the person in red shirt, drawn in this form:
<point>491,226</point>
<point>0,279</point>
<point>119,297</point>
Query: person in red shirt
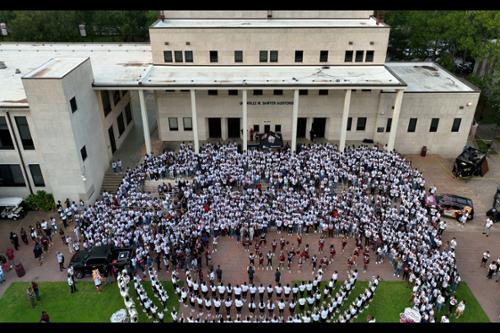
<point>350,262</point>
<point>321,244</point>
<point>45,317</point>
<point>332,253</point>
<point>366,261</point>
<point>282,243</point>
<point>299,240</point>
<point>282,260</point>
<point>274,244</point>
<point>344,243</point>
<point>10,256</point>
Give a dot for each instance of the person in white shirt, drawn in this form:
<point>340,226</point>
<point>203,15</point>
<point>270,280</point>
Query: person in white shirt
<point>487,226</point>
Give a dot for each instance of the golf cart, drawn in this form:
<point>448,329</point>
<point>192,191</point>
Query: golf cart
<point>471,162</point>
<point>11,208</point>
<point>494,212</point>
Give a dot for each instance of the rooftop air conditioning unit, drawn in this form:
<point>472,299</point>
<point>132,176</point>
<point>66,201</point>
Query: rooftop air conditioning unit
<point>3,29</point>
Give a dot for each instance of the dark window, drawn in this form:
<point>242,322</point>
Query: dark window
<point>5,138</point>
<point>366,90</point>
<point>116,97</point>
<point>389,124</point>
<point>349,123</point>
<point>257,92</point>
<point>278,92</point>
<point>24,133</point>
<point>212,92</point>
<point>169,91</point>
<point>83,152</point>
<point>121,124</point>
<point>273,56</point>
<point>238,56</point>
<point>299,56</point>
<point>232,92</point>
<point>277,128</point>
<point>172,124</point>
<point>434,125</point>
<point>263,56</point>
<point>187,123</point>
<point>178,56</point>
<point>256,128</point>
<point>359,56</point>
<point>361,124</point>
<point>72,102</point>
<point>323,92</point>
<point>348,56</point>
<point>167,56</point>
<point>412,124</point>
<point>214,56</point>
<point>461,107</point>
<point>456,124</point>
<point>36,174</point>
<point>106,104</point>
<point>369,56</point>
<point>11,175</point>
<point>128,114</point>
<point>188,56</point>
<point>124,92</point>
<point>323,56</point>
<point>303,92</point>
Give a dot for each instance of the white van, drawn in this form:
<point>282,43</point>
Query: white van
<point>11,208</point>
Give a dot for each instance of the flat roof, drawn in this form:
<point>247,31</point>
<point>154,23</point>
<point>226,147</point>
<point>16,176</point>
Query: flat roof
<point>268,23</point>
<point>427,77</point>
<point>55,68</point>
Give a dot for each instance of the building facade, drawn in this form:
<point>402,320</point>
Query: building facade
<point>65,109</point>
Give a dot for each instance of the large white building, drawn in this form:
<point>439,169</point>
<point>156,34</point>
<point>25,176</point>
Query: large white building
<point>66,108</point>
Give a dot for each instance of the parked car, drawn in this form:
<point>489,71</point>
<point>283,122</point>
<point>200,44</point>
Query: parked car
<point>12,208</point>
<point>453,206</point>
<point>101,257</point>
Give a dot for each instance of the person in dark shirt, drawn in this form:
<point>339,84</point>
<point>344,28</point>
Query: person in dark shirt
<point>45,317</point>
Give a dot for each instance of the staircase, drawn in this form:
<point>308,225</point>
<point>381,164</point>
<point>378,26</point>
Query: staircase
<point>111,181</point>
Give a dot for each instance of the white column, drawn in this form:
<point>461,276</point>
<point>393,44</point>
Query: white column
<point>224,129</point>
<point>245,120</point>
<point>195,122</point>
<point>145,122</point>
<point>309,126</point>
<point>295,114</point>
<point>345,115</point>
<point>395,119</point>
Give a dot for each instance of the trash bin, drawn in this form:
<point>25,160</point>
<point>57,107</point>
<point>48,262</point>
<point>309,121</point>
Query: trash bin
<point>19,270</point>
<point>423,152</point>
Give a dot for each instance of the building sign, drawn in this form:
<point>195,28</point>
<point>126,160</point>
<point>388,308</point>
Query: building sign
<point>268,103</point>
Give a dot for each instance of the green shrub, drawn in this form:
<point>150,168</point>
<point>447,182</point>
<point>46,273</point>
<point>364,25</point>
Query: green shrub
<point>41,201</point>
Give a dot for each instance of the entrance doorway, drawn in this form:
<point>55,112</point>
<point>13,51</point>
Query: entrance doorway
<point>318,127</point>
<point>233,128</point>
<point>267,128</point>
<point>112,139</point>
<point>301,127</point>
<point>214,128</point>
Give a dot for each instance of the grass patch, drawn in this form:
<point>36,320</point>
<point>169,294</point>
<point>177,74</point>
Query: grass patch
<point>84,306</point>
<point>485,146</point>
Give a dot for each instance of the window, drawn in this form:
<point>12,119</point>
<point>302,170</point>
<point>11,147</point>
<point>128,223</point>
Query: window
<point>349,123</point>
<point>178,56</point>
<point>36,174</point>
<point>72,102</point>
<point>116,97</point>
<point>188,56</point>
<point>187,123</point>
<point>369,56</point>
<point>273,56</point>
<point>11,175</point>
<point>128,114</point>
<point>83,152</point>
<point>232,92</point>
<point>456,124</point>
<point>388,125</point>
<point>322,92</point>
<point>359,56</point>
<point>361,124</point>
<point>167,56</point>
<point>172,124</point>
<point>121,124</point>
<point>5,138</point>
<point>412,124</point>
<point>323,56</point>
<point>299,56</point>
<point>212,92</point>
<point>277,128</point>
<point>348,56</point>
<point>434,125</point>
<point>278,92</point>
<point>124,92</point>
<point>106,104</point>
<point>238,56</point>
<point>257,92</point>
<point>214,56</point>
<point>303,91</point>
<point>263,56</point>
<point>256,128</point>
<point>24,133</point>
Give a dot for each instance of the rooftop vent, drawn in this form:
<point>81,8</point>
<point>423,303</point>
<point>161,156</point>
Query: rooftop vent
<point>18,71</point>
<point>2,65</point>
<point>325,67</point>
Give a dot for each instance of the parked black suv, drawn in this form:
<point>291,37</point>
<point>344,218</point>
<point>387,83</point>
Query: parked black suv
<point>101,257</point>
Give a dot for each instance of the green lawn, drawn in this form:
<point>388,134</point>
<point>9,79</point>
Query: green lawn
<point>86,305</point>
